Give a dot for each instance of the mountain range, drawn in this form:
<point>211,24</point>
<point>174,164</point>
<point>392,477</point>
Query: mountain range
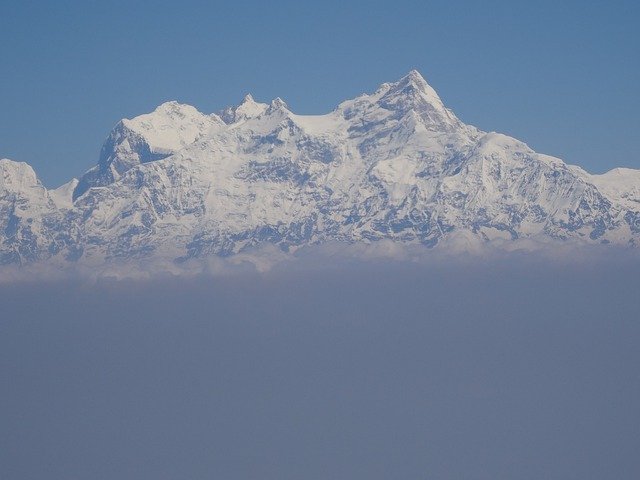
<point>394,165</point>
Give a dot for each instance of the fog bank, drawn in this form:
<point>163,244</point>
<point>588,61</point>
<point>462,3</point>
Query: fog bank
<point>516,369</point>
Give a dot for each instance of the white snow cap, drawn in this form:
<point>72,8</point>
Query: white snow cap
<point>16,174</point>
<point>246,110</point>
<point>172,125</point>
<point>394,165</point>
<point>415,77</point>
<point>414,83</point>
<point>278,103</point>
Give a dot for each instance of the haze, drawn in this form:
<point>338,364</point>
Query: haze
<point>521,369</point>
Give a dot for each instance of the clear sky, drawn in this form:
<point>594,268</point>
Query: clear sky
<point>561,75</point>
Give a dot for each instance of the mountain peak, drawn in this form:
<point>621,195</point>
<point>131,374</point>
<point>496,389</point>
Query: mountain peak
<point>413,84</point>
<point>247,109</point>
<point>169,105</point>
<point>18,177</point>
<point>412,93</point>
<point>13,168</point>
<point>278,104</point>
<point>176,109</point>
<point>171,126</point>
<point>63,195</point>
<point>414,77</point>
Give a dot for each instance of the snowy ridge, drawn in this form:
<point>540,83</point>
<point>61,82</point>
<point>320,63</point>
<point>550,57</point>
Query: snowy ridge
<point>248,109</point>
<point>395,165</point>
<point>622,184</point>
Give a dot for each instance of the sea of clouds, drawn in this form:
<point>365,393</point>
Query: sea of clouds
<point>342,364</point>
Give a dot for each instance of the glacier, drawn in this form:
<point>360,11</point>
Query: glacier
<point>393,166</point>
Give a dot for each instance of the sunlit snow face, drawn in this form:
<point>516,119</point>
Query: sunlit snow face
<point>177,186</point>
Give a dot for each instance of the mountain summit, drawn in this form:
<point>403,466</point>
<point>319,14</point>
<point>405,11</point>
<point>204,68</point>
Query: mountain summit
<point>395,164</point>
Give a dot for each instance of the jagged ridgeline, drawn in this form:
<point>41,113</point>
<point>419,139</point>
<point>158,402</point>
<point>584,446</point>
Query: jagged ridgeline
<point>392,165</point>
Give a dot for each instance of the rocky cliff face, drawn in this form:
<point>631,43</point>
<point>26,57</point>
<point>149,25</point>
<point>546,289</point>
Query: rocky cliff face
<point>395,164</point>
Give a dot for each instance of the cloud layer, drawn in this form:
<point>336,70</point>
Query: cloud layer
<point>520,369</point>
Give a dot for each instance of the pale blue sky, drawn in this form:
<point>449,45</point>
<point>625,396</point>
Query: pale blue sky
<point>562,76</point>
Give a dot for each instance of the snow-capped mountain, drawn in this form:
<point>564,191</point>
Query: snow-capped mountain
<point>395,164</point>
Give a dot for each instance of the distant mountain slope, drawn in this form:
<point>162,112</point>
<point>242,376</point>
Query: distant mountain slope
<point>392,165</point>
